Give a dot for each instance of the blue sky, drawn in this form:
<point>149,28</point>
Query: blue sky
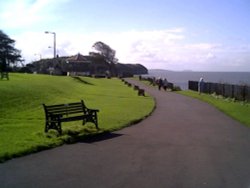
<point>199,35</point>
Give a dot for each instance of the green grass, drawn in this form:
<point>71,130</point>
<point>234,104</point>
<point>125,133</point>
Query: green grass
<point>239,111</point>
<point>22,117</point>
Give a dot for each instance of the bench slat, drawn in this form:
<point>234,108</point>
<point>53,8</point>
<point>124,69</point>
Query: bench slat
<point>66,113</point>
<point>63,106</point>
<point>65,110</point>
<point>74,118</point>
<point>76,103</point>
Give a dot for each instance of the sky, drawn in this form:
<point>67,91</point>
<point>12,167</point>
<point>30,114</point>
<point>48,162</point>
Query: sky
<point>197,35</point>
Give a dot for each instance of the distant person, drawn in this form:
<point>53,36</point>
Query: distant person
<point>160,83</point>
<point>154,81</point>
<point>165,84</point>
<point>201,85</point>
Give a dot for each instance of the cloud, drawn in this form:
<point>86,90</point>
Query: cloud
<point>16,14</point>
<point>210,56</point>
<point>147,45</point>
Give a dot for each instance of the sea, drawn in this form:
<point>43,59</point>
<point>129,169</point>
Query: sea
<point>181,78</point>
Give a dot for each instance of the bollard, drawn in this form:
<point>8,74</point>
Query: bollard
<point>141,92</point>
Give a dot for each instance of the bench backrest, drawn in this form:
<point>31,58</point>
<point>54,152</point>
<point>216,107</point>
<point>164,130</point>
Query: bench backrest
<point>65,109</point>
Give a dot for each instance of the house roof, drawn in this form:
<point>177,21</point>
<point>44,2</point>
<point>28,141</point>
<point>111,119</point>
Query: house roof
<point>78,58</point>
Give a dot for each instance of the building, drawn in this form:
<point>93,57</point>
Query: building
<point>79,65</point>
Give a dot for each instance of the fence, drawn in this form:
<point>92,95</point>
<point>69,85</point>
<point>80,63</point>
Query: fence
<point>239,92</point>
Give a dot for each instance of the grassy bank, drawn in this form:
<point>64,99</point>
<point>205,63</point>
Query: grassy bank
<point>239,111</point>
<point>22,116</point>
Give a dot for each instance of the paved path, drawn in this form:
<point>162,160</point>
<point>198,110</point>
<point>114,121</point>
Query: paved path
<point>185,143</point>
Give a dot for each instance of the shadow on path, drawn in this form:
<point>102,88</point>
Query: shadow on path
<point>101,137</point>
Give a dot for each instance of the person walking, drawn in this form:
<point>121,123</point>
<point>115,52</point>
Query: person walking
<point>201,85</point>
<point>160,83</point>
<point>165,84</point>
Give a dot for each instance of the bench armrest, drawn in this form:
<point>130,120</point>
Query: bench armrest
<point>91,111</point>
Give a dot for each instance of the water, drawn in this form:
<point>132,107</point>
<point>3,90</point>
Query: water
<point>181,78</point>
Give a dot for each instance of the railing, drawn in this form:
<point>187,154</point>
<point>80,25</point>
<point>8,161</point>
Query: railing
<point>239,92</point>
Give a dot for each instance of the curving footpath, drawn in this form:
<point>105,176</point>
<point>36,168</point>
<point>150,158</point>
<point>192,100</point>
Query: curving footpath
<point>184,143</point>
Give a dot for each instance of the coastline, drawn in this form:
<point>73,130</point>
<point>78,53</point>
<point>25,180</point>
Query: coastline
<point>181,78</point>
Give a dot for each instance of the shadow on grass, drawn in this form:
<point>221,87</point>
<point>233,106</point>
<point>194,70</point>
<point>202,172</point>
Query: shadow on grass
<point>77,78</point>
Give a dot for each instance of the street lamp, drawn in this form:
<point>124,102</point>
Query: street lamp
<point>48,32</point>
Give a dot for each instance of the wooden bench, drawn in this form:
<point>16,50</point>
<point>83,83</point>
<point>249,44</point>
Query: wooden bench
<point>56,114</point>
<point>4,75</point>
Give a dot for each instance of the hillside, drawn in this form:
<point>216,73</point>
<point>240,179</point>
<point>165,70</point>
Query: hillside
<point>22,117</point>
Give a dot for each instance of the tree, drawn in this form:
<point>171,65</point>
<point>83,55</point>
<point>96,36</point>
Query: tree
<point>105,51</point>
<point>8,53</point>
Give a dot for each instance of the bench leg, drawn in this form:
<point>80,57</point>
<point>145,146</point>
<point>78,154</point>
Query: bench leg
<point>46,127</point>
<point>96,123</point>
<point>95,120</point>
<point>59,127</point>
<point>83,122</point>
<point>53,125</point>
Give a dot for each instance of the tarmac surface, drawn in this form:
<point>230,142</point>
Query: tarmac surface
<point>184,143</point>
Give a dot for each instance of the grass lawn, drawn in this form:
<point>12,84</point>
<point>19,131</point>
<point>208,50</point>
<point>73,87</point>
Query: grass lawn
<point>238,110</point>
<point>22,117</point>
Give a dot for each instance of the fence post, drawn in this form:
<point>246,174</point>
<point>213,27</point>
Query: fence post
<point>233,91</point>
<point>244,93</point>
<point>223,89</point>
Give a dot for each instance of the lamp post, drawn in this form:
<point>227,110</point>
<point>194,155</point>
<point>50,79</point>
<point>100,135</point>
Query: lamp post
<point>48,32</point>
